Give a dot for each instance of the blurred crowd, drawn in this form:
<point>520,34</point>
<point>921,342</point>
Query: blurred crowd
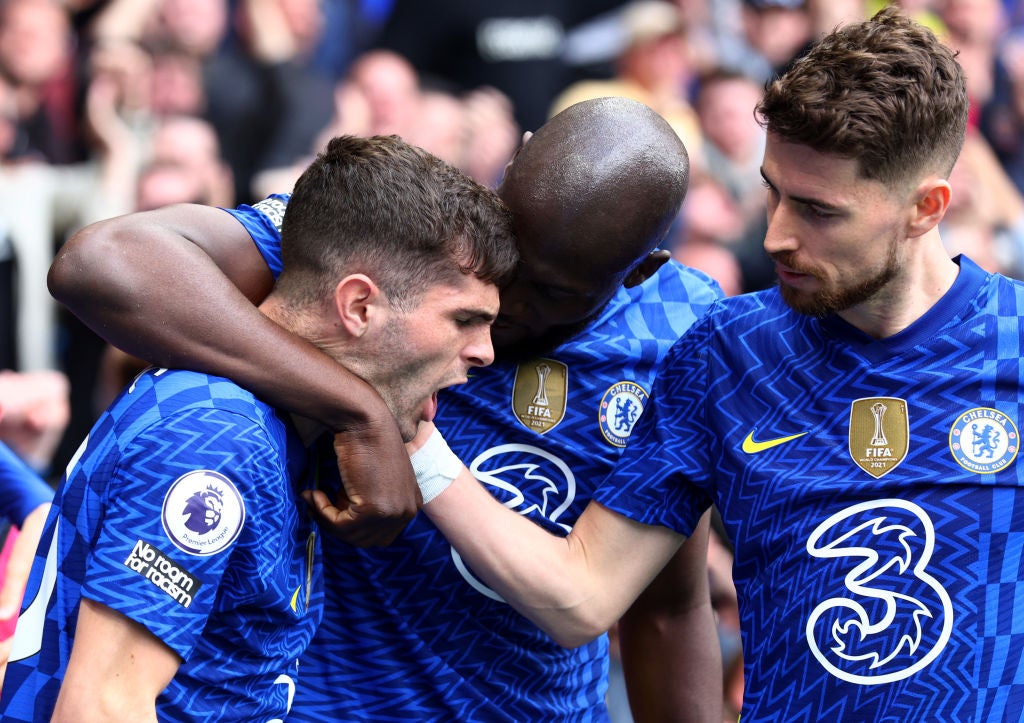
<point>112,106</point>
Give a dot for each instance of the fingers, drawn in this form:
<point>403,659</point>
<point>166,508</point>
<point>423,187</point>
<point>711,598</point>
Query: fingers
<point>349,524</point>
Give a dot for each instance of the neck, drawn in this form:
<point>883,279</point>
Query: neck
<point>923,279</point>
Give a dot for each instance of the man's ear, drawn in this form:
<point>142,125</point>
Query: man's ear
<point>933,201</point>
<point>355,300</point>
<point>647,267</point>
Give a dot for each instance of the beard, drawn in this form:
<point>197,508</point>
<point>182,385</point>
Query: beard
<point>837,297</point>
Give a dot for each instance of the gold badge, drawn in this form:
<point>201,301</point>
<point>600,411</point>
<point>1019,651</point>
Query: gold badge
<point>879,434</point>
<point>538,394</point>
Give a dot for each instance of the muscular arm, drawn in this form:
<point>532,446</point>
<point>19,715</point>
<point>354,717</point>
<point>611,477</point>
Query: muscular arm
<point>177,286</point>
<point>668,643</point>
<point>572,587</point>
<point>116,670</point>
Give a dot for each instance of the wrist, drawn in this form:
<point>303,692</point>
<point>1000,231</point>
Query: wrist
<point>435,466</point>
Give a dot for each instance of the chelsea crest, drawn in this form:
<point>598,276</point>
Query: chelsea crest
<point>621,406</point>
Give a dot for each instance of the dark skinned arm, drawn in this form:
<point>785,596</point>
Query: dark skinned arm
<point>178,287</point>
<point>669,645</point>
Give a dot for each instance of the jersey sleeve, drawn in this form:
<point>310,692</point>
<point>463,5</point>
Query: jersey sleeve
<point>660,478</point>
<point>263,222</point>
<point>178,511</point>
<point>21,489</point>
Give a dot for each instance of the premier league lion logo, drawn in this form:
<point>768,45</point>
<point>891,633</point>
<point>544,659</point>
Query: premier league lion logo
<point>203,510</point>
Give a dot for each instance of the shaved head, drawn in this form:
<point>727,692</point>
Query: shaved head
<point>592,193</point>
<point>609,172</point>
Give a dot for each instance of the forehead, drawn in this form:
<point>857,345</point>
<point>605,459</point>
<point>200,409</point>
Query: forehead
<point>467,294</point>
<point>799,170</point>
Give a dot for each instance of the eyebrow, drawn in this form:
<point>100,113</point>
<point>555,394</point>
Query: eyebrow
<point>806,200</point>
<point>481,314</point>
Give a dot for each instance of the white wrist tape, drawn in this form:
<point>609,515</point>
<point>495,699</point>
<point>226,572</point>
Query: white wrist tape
<point>435,465</point>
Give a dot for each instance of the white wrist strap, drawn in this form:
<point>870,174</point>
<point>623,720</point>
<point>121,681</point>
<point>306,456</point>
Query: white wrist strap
<point>435,465</point>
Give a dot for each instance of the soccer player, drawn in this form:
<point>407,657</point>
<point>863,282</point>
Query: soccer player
<point>858,426</point>
<point>410,632</point>
<point>24,501</point>
<point>177,578</point>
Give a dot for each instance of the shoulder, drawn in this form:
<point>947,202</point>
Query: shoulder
<point>263,221</point>
<point>673,298</point>
<point>159,395</point>
<point>753,313</point>
<point>696,285</point>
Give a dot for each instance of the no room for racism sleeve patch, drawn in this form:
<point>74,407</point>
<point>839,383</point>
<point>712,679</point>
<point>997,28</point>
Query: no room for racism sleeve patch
<point>154,565</point>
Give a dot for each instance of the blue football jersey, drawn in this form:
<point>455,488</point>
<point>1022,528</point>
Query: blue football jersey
<point>873,493</point>
<point>410,632</point>
<point>21,489</point>
<point>179,511</point>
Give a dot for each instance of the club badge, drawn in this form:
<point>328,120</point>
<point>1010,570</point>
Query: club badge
<point>984,440</point>
<point>879,434</point>
<point>621,406</point>
<point>539,394</point>
<point>203,512</point>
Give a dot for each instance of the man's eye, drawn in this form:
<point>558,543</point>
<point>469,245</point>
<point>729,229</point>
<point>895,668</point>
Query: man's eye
<point>819,212</point>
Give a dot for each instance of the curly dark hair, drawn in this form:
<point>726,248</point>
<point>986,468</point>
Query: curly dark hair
<point>885,92</point>
<point>383,207</point>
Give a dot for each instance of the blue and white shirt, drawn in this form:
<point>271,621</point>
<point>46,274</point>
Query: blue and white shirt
<point>21,489</point>
<point>874,494</point>
<point>410,632</point>
<point>180,511</point>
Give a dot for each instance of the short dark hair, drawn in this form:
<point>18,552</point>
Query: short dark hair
<point>885,92</point>
<point>402,216</point>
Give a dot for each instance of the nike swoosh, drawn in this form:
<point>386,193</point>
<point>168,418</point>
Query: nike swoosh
<point>752,447</point>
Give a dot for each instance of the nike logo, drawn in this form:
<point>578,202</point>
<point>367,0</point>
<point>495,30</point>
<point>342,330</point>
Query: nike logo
<point>752,447</point>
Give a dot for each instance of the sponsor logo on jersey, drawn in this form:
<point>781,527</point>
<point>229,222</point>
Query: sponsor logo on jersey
<point>154,565</point>
<point>203,512</point>
<point>889,617</point>
<point>984,440</point>
<point>539,394</point>
<point>530,480</point>
<point>879,434</point>
<point>752,446</point>
<point>273,209</point>
<point>621,406</point>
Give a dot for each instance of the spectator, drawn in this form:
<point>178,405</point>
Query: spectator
<point>986,216</point>
<point>706,237</point>
<point>652,67</point>
<point>734,147</point>
<point>34,411</point>
<point>37,59</point>
<point>492,134</point>
<point>41,202</point>
<point>513,46</point>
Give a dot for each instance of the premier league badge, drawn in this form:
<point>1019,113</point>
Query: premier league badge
<point>203,512</point>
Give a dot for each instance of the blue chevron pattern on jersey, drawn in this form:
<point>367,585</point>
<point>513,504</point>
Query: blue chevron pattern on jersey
<point>873,492</point>
<point>180,512</point>
<point>409,632</point>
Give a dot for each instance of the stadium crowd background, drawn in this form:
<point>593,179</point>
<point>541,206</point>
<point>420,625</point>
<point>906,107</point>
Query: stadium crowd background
<point>112,106</point>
